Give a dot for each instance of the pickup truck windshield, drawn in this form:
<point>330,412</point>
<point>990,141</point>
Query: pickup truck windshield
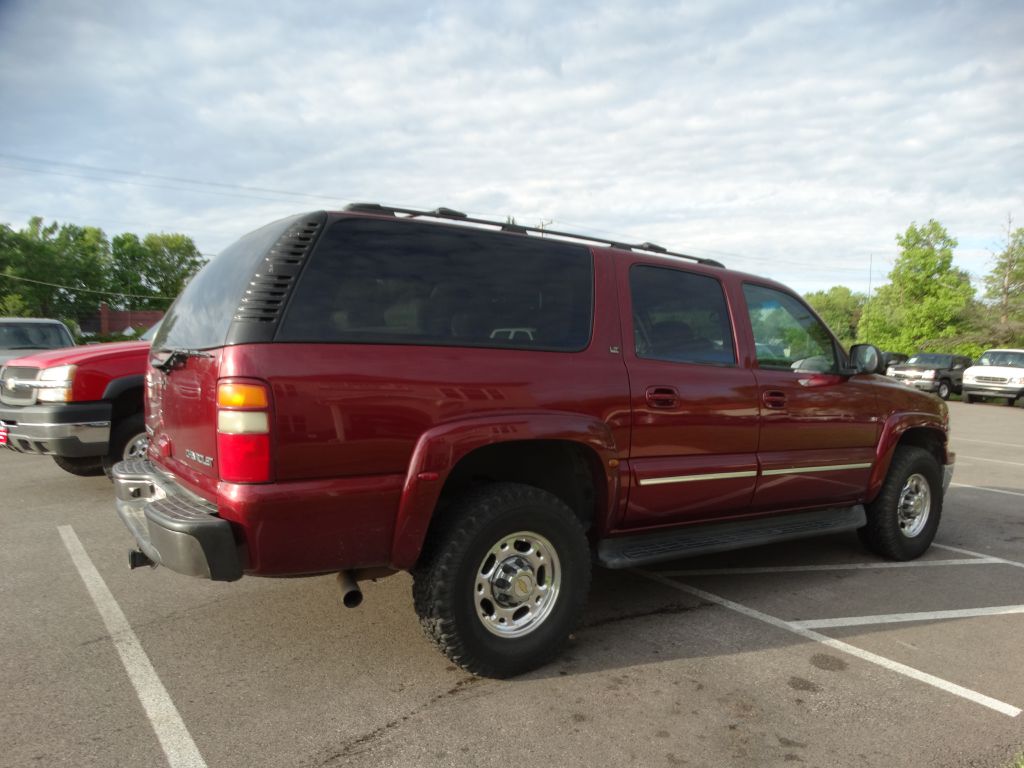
<point>939,361</point>
<point>15,335</point>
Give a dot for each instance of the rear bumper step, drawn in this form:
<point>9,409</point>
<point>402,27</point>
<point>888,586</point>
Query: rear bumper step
<point>662,546</point>
<point>173,528</point>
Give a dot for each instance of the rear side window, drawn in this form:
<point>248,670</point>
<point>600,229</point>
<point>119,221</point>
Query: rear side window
<point>679,317</point>
<point>381,282</point>
<point>200,317</point>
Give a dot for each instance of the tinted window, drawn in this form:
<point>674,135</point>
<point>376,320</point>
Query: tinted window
<point>679,317</point>
<point>201,315</point>
<point>787,335</point>
<point>382,282</point>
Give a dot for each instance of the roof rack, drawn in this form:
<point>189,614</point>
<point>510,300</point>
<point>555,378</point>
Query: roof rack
<point>448,213</point>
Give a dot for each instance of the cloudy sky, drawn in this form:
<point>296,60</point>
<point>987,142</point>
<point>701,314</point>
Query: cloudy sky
<point>790,139</point>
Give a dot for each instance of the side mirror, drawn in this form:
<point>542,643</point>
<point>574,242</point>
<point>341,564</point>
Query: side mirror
<point>866,359</point>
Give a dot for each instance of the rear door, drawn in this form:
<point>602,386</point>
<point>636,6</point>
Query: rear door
<point>695,413</point>
<point>818,428</point>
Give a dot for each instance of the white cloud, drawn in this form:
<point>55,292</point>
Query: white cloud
<point>796,138</point>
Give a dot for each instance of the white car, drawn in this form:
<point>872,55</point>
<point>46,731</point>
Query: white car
<point>998,373</point>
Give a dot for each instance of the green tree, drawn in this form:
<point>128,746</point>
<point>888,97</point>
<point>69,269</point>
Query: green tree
<point>156,266</point>
<point>1005,289</point>
<point>928,303</point>
<point>53,270</point>
<point>841,309</point>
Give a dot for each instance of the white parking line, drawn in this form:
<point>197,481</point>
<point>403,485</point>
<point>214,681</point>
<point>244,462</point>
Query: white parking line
<point>1001,560</point>
<point>177,743</point>
<point>983,560</point>
<point>944,685</point>
<point>986,442</point>
<point>898,618</point>
<point>960,456</point>
<point>982,488</point>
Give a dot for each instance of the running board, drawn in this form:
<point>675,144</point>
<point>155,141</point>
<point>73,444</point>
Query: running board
<point>707,538</point>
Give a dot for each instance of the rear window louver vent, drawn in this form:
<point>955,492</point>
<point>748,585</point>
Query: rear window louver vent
<point>268,291</point>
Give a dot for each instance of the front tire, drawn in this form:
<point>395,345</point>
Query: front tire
<point>968,399</point>
<point>82,466</point>
<point>128,440</point>
<point>903,518</point>
<point>944,390</point>
<point>503,580</point>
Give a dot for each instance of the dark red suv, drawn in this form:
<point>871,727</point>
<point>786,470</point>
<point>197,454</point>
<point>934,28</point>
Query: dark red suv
<point>493,408</point>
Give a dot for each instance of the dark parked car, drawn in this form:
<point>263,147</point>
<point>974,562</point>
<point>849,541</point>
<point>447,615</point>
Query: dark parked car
<point>930,372</point>
<point>493,408</point>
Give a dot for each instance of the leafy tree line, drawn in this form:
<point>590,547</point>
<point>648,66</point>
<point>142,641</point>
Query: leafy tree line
<point>930,305</point>
<point>64,271</point>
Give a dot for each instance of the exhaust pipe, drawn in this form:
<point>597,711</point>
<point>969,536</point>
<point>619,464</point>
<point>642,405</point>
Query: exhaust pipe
<point>351,595</point>
<point>139,559</point>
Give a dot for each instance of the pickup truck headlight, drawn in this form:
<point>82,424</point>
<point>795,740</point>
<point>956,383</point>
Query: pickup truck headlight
<point>927,374</point>
<point>53,385</point>
<point>890,371</point>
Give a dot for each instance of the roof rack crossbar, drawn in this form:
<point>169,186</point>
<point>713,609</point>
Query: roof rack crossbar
<point>508,226</point>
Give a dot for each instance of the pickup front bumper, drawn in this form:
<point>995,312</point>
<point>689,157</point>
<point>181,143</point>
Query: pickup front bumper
<point>61,429</point>
<point>173,527</point>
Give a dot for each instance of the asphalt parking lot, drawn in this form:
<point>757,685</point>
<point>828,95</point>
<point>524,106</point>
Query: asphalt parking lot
<point>812,653</point>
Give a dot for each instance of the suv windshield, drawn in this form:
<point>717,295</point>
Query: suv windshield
<point>15,335</point>
<point>1003,358</point>
<point>937,361</point>
<point>201,315</point>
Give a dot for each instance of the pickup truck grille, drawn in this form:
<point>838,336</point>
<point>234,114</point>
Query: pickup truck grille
<point>17,395</point>
<point>990,379</point>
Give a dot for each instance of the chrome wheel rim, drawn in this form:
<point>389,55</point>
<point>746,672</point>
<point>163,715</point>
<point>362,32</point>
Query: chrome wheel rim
<point>914,505</point>
<point>517,584</point>
<point>136,447</point>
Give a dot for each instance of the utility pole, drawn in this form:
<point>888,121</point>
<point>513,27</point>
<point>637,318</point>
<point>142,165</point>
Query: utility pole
<point>871,269</point>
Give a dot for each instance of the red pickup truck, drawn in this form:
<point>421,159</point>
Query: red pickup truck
<point>494,408</point>
<point>80,405</point>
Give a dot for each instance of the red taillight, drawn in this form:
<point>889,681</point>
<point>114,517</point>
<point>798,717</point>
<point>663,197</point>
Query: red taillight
<point>243,432</point>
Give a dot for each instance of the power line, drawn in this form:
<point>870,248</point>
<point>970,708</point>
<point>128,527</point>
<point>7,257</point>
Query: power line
<point>137,183</point>
<point>174,179</point>
<point>86,290</point>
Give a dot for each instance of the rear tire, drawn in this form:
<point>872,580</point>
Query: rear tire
<point>128,440</point>
<point>1010,401</point>
<point>903,518</point>
<point>503,580</point>
<point>82,466</point>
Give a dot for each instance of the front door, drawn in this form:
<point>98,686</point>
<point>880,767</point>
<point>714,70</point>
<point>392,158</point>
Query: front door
<point>818,428</point>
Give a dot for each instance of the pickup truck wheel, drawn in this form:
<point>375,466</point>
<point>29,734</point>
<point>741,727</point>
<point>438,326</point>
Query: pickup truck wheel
<point>83,466</point>
<point>903,518</point>
<point>501,586</point>
<point>944,390</point>
<point>128,440</point>
<point>968,399</point>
